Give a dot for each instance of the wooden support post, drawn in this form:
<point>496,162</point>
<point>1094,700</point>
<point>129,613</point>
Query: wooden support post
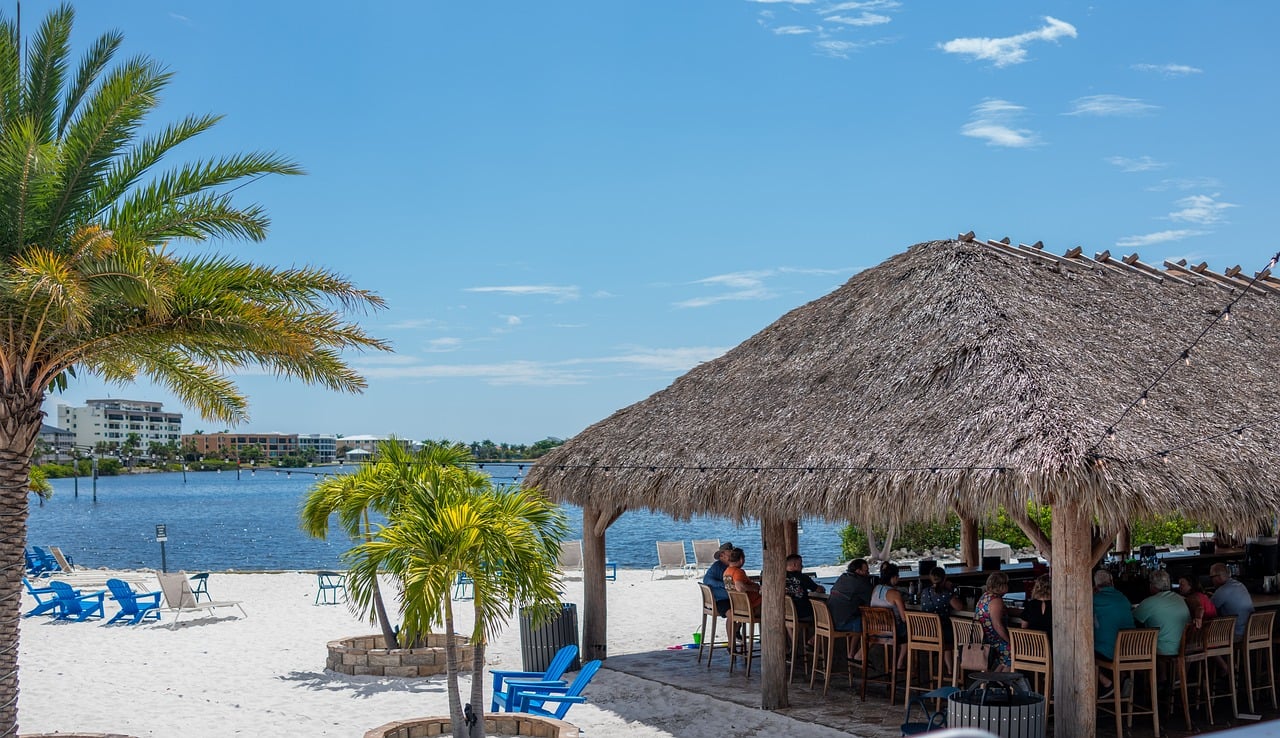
<point>773,647</point>
<point>1124,541</point>
<point>1074,682</point>
<point>969,553</point>
<point>793,537</point>
<point>594,599</point>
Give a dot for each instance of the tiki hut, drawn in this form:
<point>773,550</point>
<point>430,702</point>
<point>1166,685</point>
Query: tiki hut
<point>962,376</point>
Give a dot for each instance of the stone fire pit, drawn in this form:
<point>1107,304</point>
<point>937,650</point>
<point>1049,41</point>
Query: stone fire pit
<point>368,656</point>
<point>503,723</point>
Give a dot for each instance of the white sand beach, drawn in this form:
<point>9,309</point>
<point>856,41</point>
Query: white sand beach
<point>264,674</point>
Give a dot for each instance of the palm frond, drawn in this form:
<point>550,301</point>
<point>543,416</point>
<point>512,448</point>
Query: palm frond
<point>92,64</point>
<point>46,68</point>
<point>128,168</point>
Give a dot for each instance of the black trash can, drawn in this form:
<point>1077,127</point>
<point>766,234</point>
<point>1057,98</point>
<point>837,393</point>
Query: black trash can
<point>539,644</point>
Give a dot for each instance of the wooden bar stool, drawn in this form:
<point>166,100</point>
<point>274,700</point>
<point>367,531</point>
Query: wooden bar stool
<point>1190,655</point>
<point>825,638</point>
<point>740,613</point>
<point>1219,634</point>
<point>880,628</point>
<point>797,635</point>
<point>1256,646</point>
<point>924,638</point>
<point>708,611</point>
<point>1135,654</point>
<point>1030,652</point>
<point>963,632</point>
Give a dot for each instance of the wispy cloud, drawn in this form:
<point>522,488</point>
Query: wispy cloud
<point>861,5</point>
<point>1154,238</point>
<point>783,2</point>
<point>993,122</point>
<point>1008,50</point>
<point>748,285</point>
<point>842,49</point>
<point>443,345</point>
<point>412,323</point>
<point>791,30</point>
<point>1185,183</point>
<point>866,19</point>
<point>561,294</point>
<point>1110,105</point>
<point>1200,209</point>
<point>1140,164</point>
<point>511,320</point>
<point>673,360</point>
<point>1169,70</point>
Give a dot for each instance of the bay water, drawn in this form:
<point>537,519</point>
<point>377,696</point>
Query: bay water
<point>217,522</point>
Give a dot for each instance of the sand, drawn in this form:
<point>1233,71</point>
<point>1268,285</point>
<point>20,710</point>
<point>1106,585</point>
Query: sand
<point>264,675</point>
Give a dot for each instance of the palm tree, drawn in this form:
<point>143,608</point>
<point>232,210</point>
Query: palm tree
<point>453,521</point>
<point>88,280</point>
<point>376,488</point>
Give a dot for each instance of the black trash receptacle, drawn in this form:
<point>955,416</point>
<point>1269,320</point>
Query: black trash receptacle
<point>538,645</point>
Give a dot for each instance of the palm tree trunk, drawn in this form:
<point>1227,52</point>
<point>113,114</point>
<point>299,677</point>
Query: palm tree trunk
<point>20,418</point>
<point>379,607</point>
<point>477,687</point>
<point>451,674</point>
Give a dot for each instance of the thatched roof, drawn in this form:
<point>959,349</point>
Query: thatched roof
<point>957,376</point>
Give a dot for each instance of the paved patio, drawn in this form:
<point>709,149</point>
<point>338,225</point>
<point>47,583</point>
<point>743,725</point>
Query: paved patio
<point>841,708</point>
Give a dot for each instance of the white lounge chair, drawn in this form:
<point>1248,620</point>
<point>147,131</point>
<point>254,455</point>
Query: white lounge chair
<point>704,552</point>
<point>61,558</point>
<point>671,555</point>
<point>571,560</point>
<point>178,597</point>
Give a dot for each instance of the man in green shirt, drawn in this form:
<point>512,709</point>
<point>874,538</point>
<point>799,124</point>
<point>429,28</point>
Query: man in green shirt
<point>1166,611</point>
<point>1112,613</point>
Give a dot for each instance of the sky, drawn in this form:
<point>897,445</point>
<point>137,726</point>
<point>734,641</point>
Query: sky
<point>567,205</point>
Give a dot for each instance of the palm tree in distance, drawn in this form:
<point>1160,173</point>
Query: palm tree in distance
<point>88,282</point>
<point>452,521</point>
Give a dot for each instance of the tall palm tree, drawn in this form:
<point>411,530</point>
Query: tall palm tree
<point>454,521</point>
<point>88,280</point>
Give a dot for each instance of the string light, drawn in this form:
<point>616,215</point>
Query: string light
<point>1186,357</point>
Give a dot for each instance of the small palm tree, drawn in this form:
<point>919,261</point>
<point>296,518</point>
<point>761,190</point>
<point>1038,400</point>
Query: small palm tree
<point>454,521</point>
<point>89,279</point>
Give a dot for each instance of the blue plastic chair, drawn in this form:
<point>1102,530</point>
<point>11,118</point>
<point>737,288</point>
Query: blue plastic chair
<point>460,586</point>
<point>133,605</point>
<point>35,567</point>
<point>200,586</point>
<point>72,605</point>
<point>555,670</point>
<point>46,599</point>
<point>46,561</point>
<point>332,584</point>
<point>533,697</point>
<point>933,719</point>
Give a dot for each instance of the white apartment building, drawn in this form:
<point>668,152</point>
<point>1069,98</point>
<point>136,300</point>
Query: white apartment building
<point>113,420</point>
<point>325,446</point>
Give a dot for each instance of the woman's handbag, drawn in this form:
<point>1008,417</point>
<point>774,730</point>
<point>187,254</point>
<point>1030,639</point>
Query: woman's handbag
<point>975,657</point>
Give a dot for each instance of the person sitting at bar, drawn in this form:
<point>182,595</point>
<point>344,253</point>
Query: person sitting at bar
<point>850,593</point>
<point>940,598</point>
<point>1164,610</point>
<point>886,595</point>
<point>737,578</point>
<point>1198,602</point>
<point>1037,614</point>
<point>799,585</point>
<point>1112,613</point>
<point>1231,598</point>
<point>989,612</point>
<point>714,578</point>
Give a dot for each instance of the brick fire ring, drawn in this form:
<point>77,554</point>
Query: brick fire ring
<point>367,656</point>
<point>503,723</point>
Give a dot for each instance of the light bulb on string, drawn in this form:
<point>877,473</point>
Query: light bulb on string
<point>1226,314</point>
<point>1186,357</point>
<point>1142,400</point>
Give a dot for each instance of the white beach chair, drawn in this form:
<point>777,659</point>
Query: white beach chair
<point>570,556</point>
<point>178,597</point>
<point>61,558</point>
<point>671,555</point>
<point>704,552</point>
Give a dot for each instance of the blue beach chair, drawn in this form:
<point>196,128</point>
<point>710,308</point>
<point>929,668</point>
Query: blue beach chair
<point>331,584</point>
<point>533,697</point>
<point>71,605</point>
<point>555,670</point>
<point>46,599</point>
<point>133,605</point>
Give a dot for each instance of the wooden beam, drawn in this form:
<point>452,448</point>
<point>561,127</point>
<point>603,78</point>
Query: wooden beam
<point>606,520</point>
<point>1074,685</point>
<point>1104,257</point>
<point>969,542</point>
<point>595,609</point>
<point>1033,531</point>
<point>1203,270</point>
<point>1124,542</point>
<point>1004,249</point>
<point>793,537</point>
<point>773,647</point>
<point>1133,261</point>
<point>1037,250</point>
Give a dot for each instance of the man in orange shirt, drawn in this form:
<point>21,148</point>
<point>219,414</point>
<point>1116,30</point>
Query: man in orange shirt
<point>736,579</point>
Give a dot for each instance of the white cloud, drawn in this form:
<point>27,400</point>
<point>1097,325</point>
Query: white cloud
<point>415,323</point>
<point>675,360</point>
<point>384,359</point>
<point>511,320</point>
<point>442,345</point>
<point>993,121</point>
<point>842,49</point>
<point>1200,209</point>
<point>531,373</point>
<point>1110,105</point>
<point>1154,238</point>
<point>1185,183</point>
<point>561,294</point>
<point>748,285</point>
<point>1169,70</point>
<point>1140,164</point>
<point>786,2</point>
<point>792,30</point>
<point>1010,49</point>
<point>866,19</point>
<point>863,5</point>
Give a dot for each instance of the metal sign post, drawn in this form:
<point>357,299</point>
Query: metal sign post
<point>162,535</point>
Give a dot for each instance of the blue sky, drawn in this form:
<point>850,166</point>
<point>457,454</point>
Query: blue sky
<point>567,205</point>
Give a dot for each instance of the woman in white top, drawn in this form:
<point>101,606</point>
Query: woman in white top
<point>886,595</point>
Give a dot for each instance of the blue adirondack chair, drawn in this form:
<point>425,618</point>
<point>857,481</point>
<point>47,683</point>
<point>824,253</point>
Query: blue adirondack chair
<point>35,567</point>
<point>133,605</point>
<point>72,605</point>
<point>556,669</point>
<point>46,599</point>
<point>537,698</point>
<point>47,562</point>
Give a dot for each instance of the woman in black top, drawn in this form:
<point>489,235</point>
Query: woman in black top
<point>940,599</point>
<point>1038,612</point>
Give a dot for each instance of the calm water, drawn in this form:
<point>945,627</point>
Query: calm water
<point>217,522</point>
